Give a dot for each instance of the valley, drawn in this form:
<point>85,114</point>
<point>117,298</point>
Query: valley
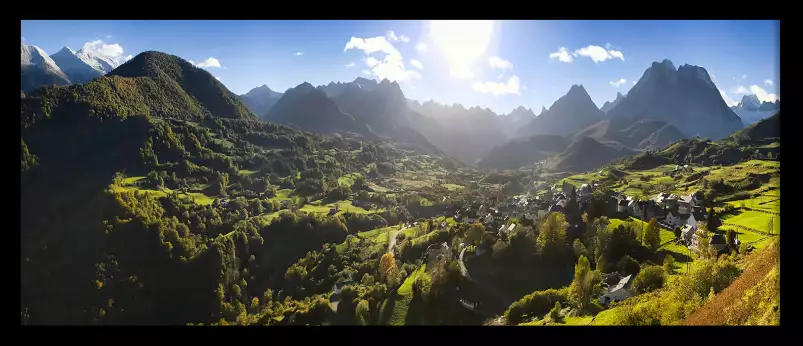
<point>154,195</point>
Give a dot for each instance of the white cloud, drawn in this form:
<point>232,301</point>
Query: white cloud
<point>298,53</point>
<point>209,62</point>
<point>768,82</point>
<point>391,66</point>
<point>111,51</point>
<point>762,94</point>
<point>497,62</point>
<point>392,36</point>
<point>351,64</point>
<point>599,54</point>
<point>741,90</point>
<point>512,86</point>
<point>421,47</point>
<point>562,55</point>
<point>368,72</point>
<point>744,76</point>
<point>417,64</point>
<point>128,57</point>
<point>618,83</point>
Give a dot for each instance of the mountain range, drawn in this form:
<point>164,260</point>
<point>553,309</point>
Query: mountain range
<point>62,68</point>
<point>665,105</point>
<point>751,110</point>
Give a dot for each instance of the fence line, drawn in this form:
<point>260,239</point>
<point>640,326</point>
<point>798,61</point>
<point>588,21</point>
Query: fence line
<point>746,228</point>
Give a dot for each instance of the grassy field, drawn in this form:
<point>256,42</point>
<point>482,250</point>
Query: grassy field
<point>343,206</point>
<point>400,301</point>
<point>283,194</point>
<point>771,145</point>
<point>566,321</point>
<point>246,172</point>
<point>755,219</point>
<point>348,179</point>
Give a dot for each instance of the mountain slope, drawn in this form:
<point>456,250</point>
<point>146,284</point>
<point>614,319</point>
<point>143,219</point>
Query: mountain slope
<point>39,69</point>
<point>608,105</point>
<point>567,115</point>
<point>641,134</point>
<point>311,110</point>
<point>191,85</point>
<point>684,97</point>
<point>763,130</point>
<point>586,154</point>
<point>78,70</point>
<point>152,83</point>
<point>522,152</point>
<point>260,100</point>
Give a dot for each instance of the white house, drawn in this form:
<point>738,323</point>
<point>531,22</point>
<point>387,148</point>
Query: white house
<point>634,208</point>
<point>686,204</point>
<point>619,292</point>
<point>673,219</point>
<point>687,233</point>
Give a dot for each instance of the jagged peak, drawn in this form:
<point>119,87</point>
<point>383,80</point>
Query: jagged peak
<point>66,49</point>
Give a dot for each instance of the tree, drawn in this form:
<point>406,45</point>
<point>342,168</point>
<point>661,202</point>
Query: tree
<point>552,238</point>
<point>554,314</point>
<point>677,233</point>
<point>652,235</point>
<point>475,233</point>
<point>649,279</point>
<point>367,280</point>
<point>387,269</point>
<point>358,184</point>
<point>361,312</point>
<point>669,264</point>
<point>713,220</point>
<point>582,286</point>
<point>703,239</point>
<point>579,248</point>
<point>628,266</point>
<point>730,238</point>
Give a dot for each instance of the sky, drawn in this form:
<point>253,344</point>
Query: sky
<point>492,64</point>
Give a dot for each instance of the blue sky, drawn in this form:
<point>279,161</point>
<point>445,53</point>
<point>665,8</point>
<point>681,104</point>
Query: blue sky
<point>499,64</point>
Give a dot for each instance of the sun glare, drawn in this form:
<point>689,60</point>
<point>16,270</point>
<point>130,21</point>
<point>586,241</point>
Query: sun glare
<point>461,42</point>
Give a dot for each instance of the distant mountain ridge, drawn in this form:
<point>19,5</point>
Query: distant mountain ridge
<point>260,100</point>
<point>608,105</point>
<point>684,97</point>
<point>567,115</point>
<point>62,68</point>
<point>750,109</point>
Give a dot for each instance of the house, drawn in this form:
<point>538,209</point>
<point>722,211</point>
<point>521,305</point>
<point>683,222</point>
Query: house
<point>687,234</point>
<point>653,210</point>
<point>511,227</point>
<point>621,206</point>
<point>619,292</point>
<point>686,204</point>
<point>635,209</point>
<point>558,207</point>
<point>501,229</point>
<point>673,219</point>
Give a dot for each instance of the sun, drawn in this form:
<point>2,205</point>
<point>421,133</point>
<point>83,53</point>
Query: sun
<point>461,42</point>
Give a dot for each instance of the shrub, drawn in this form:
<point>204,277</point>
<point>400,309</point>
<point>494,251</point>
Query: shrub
<point>649,279</point>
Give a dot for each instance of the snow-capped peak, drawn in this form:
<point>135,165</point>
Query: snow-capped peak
<point>33,55</point>
<point>66,50</point>
<point>96,60</point>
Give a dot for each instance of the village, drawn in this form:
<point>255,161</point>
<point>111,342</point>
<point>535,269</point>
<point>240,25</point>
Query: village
<point>679,214</point>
